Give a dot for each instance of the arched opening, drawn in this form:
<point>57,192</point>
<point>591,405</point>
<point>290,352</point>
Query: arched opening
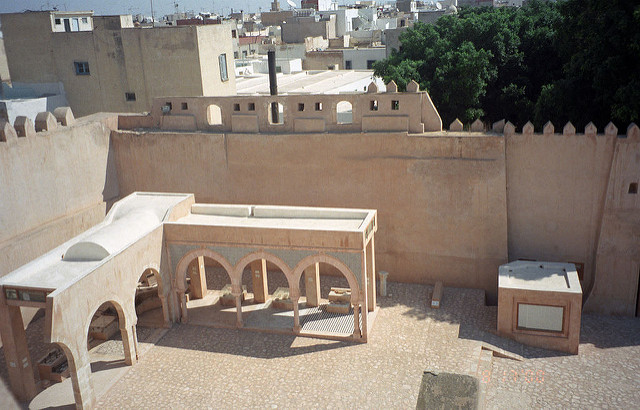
<point>344,112</point>
<point>214,115</point>
<point>149,300</point>
<point>104,339</point>
<point>267,299</point>
<point>276,113</point>
<point>208,292</point>
<point>326,300</point>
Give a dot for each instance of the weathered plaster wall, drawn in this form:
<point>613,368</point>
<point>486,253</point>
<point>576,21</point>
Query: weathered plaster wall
<point>556,188</point>
<point>441,200</point>
<point>53,186</point>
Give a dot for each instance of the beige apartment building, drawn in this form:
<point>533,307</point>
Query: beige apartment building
<point>108,64</point>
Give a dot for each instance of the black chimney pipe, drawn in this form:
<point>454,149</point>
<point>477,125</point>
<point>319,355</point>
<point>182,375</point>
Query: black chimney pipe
<point>273,85</point>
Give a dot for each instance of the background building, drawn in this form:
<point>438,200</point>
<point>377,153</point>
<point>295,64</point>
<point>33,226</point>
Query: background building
<point>107,64</point>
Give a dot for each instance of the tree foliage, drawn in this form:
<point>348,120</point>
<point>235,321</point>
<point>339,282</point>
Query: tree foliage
<point>575,60</point>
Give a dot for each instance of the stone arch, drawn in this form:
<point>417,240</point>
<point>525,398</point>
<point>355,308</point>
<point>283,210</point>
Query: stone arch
<point>336,263</point>
<point>214,115</point>
<point>181,269</point>
<point>123,320</point>
<point>155,269</point>
<point>344,112</point>
<point>269,257</point>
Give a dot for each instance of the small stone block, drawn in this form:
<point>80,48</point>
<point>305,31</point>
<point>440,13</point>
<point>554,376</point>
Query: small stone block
<point>282,299</point>
<point>436,298</point>
<point>509,129</point>
<point>227,298</point>
<point>413,87</point>
<point>103,327</point>
<point>45,121</point>
<point>447,391</point>
<point>456,125</point>
<point>340,297</point>
<point>590,130</point>
<point>633,132</point>
<point>392,87</point>
<point>611,130</point>
<point>24,127</point>
<point>7,132</point>
<point>64,116</point>
<point>344,308</point>
<point>528,128</point>
<point>372,88</point>
<point>498,126</point>
<point>569,130</point>
<point>477,126</point>
<point>548,128</point>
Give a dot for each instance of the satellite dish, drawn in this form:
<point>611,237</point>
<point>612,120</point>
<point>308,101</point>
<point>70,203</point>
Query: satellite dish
<point>291,3</point>
<point>439,6</point>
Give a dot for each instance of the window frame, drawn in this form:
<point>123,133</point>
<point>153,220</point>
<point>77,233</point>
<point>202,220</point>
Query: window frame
<point>81,67</point>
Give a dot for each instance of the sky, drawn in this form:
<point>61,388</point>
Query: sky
<point>160,7</point>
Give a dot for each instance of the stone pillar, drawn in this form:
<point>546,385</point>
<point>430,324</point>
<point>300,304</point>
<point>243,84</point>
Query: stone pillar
<point>80,369</point>
<point>259,280</point>
<point>129,344</point>
<point>183,307</point>
<point>238,297</point>
<point>165,311</point>
<point>371,276</point>
<point>383,282</point>
<point>296,315</point>
<point>312,284</point>
<point>16,354</point>
<point>356,321</point>
<point>198,278</point>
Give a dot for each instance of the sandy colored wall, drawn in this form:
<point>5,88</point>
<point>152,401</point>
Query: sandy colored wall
<point>28,46</point>
<point>212,42</point>
<point>556,188</point>
<point>53,186</point>
<point>441,200</point>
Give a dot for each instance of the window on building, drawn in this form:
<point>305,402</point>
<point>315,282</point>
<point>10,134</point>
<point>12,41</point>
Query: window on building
<point>85,20</point>
<point>370,64</point>
<point>82,67</point>
<point>251,106</point>
<point>234,33</point>
<point>318,106</point>
<point>633,188</point>
<point>300,107</point>
<point>58,22</point>
<point>235,55</point>
<point>347,64</point>
<point>130,96</point>
<point>373,106</point>
<point>236,107</point>
<point>222,61</point>
<point>395,105</point>
<point>185,106</point>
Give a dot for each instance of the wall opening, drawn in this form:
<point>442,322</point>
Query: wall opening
<point>104,340</point>
<point>325,300</point>
<point>276,113</point>
<point>638,296</point>
<point>633,188</point>
<point>147,301</point>
<point>344,112</point>
<point>214,115</point>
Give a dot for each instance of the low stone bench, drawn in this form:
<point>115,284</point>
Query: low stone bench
<point>103,327</point>
<point>344,308</point>
<point>340,295</point>
<point>227,298</point>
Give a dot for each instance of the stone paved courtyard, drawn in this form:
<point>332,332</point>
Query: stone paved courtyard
<point>203,367</point>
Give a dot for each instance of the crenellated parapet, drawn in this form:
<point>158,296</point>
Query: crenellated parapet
<point>507,129</point>
<point>23,127</point>
<point>391,111</point>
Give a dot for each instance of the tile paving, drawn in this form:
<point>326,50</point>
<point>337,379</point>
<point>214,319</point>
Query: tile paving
<point>204,367</point>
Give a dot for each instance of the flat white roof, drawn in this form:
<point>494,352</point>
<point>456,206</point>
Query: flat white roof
<point>307,82</point>
<point>278,217</point>
<point>539,276</point>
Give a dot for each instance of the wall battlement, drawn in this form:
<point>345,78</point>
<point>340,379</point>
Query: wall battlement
<point>411,112</point>
<point>45,121</point>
